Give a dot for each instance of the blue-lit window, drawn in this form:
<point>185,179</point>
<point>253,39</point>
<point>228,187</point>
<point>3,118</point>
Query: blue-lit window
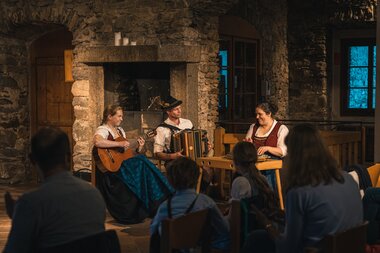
<point>359,77</point>
<point>223,80</point>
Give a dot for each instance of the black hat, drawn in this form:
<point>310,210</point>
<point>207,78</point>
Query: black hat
<point>170,103</point>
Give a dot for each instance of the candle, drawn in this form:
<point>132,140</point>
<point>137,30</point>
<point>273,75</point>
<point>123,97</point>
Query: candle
<point>125,41</point>
<point>117,38</point>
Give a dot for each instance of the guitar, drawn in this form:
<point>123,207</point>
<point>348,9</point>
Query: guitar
<point>113,157</point>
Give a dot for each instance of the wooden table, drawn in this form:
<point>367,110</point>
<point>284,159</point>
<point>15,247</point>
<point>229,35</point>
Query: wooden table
<point>219,162</point>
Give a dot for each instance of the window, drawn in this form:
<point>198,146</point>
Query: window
<point>239,87</point>
<point>223,81</point>
<point>358,77</point>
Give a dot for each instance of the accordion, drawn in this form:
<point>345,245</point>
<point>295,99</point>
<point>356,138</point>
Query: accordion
<point>192,143</point>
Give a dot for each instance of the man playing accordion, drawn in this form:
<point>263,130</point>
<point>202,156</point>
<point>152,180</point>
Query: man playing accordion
<point>163,143</point>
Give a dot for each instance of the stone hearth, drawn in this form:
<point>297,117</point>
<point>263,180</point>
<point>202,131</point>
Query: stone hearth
<point>183,67</point>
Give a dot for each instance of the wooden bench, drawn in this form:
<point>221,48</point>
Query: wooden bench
<point>344,145</point>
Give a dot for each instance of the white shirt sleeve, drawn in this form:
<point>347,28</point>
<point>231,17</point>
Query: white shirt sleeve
<point>161,139</point>
<point>102,131</point>
<point>250,131</point>
<point>355,176</point>
<point>282,133</point>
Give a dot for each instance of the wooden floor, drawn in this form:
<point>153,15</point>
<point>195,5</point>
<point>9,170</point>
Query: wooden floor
<point>133,238</point>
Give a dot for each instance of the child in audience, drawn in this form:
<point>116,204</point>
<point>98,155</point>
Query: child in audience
<point>183,174</point>
<point>251,186</point>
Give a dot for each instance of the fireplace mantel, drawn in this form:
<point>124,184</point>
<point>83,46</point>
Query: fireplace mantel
<point>140,53</point>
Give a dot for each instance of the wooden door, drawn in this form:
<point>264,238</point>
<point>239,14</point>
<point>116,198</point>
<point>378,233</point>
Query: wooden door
<point>54,97</point>
<point>50,95</point>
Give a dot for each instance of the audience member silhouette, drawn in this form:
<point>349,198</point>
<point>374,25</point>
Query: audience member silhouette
<point>183,174</point>
<point>251,187</point>
<point>321,199</point>
<point>62,209</point>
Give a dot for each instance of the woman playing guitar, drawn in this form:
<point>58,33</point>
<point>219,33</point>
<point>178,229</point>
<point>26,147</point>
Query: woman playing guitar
<point>134,187</point>
<point>112,118</point>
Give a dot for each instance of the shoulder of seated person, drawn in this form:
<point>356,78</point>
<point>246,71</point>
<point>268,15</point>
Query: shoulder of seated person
<point>240,179</point>
<point>204,197</point>
<point>354,175</point>
<point>185,120</point>
<point>162,128</point>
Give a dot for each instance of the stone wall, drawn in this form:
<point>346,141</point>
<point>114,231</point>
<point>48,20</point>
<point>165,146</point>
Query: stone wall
<point>14,109</point>
<point>269,17</point>
<point>93,23</point>
<point>308,39</point>
<point>164,22</point>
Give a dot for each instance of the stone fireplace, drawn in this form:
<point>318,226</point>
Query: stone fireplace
<point>135,77</point>
<point>138,87</point>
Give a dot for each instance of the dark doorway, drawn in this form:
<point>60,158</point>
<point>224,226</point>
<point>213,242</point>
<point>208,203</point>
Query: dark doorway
<point>51,96</point>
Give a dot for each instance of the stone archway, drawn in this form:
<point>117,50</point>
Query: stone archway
<point>51,98</point>
<point>17,120</point>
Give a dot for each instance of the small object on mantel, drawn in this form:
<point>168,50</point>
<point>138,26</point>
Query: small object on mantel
<point>117,38</point>
<point>125,41</point>
<point>133,43</point>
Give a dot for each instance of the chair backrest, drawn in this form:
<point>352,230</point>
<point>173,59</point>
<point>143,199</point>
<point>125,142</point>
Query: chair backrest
<point>104,242</point>
<point>374,172</point>
<point>352,240</point>
<point>184,232</point>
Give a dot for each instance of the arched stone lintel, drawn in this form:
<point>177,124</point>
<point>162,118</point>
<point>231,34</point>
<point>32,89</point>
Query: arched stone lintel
<point>45,16</point>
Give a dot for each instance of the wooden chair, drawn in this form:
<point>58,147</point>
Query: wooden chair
<point>352,240</point>
<point>104,242</point>
<point>374,172</point>
<point>185,232</point>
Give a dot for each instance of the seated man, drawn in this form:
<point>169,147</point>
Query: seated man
<point>163,143</point>
<point>164,147</point>
<point>62,209</point>
<point>183,175</point>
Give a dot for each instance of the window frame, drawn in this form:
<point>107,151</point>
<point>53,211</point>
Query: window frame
<point>231,68</point>
<point>344,91</point>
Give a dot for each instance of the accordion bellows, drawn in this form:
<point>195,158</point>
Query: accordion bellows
<point>192,143</point>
